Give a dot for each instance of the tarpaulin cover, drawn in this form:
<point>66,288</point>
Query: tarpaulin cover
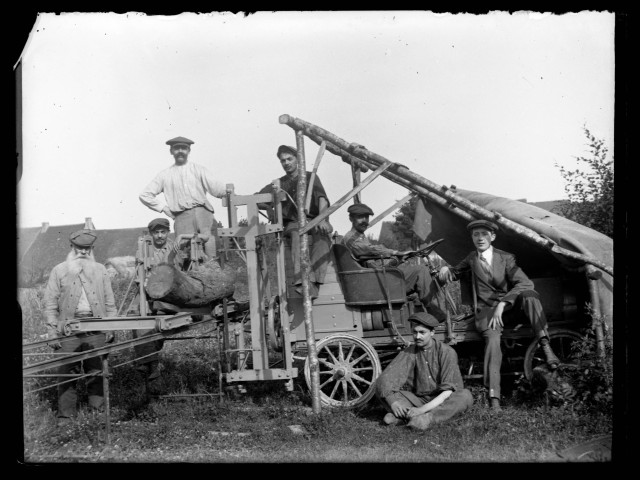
<point>434,221</point>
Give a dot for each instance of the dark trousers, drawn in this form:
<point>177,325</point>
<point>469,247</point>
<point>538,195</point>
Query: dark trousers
<point>149,348</point>
<point>457,402</point>
<point>417,278</point>
<point>319,247</point>
<point>67,396</point>
<point>527,306</point>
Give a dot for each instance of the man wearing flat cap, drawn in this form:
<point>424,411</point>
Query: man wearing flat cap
<point>319,237</point>
<point>161,249</point>
<point>501,291</point>
<point>423,386</point>
<point>185,186</point>
<point>79,287</point>
<point>417,278</point>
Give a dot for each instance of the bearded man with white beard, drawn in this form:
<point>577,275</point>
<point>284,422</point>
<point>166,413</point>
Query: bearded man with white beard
<point>79,287</point>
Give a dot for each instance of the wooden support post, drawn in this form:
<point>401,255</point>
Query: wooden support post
<point>355,175</point>
<point>367,156</point>
<point>105,388</point>
<point>305,266</point>
<point>597,320</point>
<point>393,207</point>
<point>344,199</point>
<point>312,179</point>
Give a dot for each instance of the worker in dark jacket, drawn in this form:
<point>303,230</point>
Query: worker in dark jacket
<point>500,287</point>
<point>319,237</point>
<point>423,385</point>
<point>417,278</point>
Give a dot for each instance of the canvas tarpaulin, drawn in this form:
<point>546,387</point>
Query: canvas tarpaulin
<point>433,221</point>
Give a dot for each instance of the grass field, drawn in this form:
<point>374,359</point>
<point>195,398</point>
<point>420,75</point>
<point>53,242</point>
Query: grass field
<point>190,422</point>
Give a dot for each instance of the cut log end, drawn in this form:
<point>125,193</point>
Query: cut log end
<point>160,281</point>
<point>199,287</point>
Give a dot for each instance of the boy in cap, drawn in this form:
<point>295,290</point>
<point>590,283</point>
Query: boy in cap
<point>319,237</point>
<point>417,278</point>
<point>185,186</point>
<point>423,385</point>
<point>79,287</point>
<point>499,287</point>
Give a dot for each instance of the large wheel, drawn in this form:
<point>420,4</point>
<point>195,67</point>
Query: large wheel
<point>275,334</point>
<point>348,369</point>
<point>561,341</point>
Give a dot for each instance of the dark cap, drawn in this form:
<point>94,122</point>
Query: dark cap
<point>83,238</point>
<point>425,319</point>
<point>482,224</point>
<point>359,209</point>
<point>179,141</point>
<point>158,223</point>
<point>287,149</point>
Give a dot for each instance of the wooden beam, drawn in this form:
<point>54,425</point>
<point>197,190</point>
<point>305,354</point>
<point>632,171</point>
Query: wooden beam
<point>345,198</point>
<point>393,207</point>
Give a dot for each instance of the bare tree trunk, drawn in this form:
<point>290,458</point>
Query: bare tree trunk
<point>196,288</point>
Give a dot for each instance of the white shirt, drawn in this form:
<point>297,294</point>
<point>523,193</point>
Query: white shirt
<point>488,255</point>
<point>184,187</point>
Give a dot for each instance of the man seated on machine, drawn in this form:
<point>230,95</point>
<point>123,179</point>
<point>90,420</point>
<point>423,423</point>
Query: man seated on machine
<point>501,291</point>
<point>417,278</point>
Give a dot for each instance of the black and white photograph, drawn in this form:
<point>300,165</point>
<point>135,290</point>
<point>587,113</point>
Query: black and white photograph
<point>323,236</point>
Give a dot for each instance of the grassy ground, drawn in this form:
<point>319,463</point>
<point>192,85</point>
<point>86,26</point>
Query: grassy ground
<point>268,424</point>
<point>259,427</point>
<point>261,424</point>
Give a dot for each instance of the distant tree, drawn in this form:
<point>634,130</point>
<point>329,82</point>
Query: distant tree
<point>590,188</point>
<point>402,227</point>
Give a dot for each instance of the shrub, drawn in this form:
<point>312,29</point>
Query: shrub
<point>590,189</point>
<point>587,388</point>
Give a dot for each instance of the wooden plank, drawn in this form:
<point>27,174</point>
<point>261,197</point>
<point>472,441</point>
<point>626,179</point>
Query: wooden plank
<point>393,207</point>
<point>345,198</point>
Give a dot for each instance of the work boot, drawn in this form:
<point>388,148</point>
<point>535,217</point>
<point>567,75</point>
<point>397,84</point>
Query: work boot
<point>421,422</point>
<point>552,360</point>
<point>495,404</point>
<point>390,419</point>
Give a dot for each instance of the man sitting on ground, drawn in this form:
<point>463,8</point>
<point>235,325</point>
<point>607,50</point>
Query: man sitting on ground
<point>423,385</point>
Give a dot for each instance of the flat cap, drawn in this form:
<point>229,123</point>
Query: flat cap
<point>425,319</point>
<point>286,149</point>
<point>179,141</point>
<point>158,223</point>
<point>83,238</point>
<point>484,224</point>
<point>359,209</point>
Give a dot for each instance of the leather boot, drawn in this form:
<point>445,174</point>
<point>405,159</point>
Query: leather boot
<point>552,360</point>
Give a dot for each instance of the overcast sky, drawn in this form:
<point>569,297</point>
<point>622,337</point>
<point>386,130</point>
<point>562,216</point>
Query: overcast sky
<point>486,102</point>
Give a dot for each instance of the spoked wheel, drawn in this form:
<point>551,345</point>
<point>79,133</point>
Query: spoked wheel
<point>561,342</point>
<point>275,335</point>
<point>348,369</point>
